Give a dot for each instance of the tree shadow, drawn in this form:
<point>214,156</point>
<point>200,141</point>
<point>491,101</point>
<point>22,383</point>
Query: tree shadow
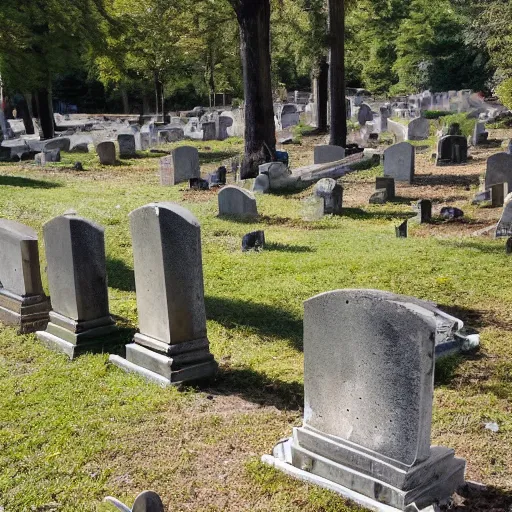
<point>446,179</point>
<point>120,275</point>
<point>483,246</point>
<point>263,319</point>
<point>478,498</point>
<point>275,246</point>
<point>274,220</point>
<point>360,214</point>
<point>215,156</point>
<point>17,181</point>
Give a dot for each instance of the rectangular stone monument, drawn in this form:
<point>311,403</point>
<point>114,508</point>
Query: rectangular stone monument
<point>498,194</point>
<point>368,391</point>
<point>325,153</point>
<point>388,184</point>
<point>399,162</point>
<point>180,166</point>
<point>499,170</point>
<point>172,346</point>
<point>22,299</point>
<point>75,253</point>
<point>424,209</point>
<point>452,150</point>
<point>166,171</point>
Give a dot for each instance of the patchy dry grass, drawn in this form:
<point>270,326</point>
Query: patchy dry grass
<point>73,432</point>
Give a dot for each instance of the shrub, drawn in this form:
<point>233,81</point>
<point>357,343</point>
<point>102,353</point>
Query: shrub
<point>504,92</point>
<point>435,114</point>
<point>466,124</point>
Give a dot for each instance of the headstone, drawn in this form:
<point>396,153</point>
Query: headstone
<point>454,129</point>
<point>237,201</point>
<point>401,230</point>
<point>482,197</point>
<point>424,209</point>
<point>289,116</point>
<point>22,299</point>
<point>368,393</point>
<point>499,170</point>
<point>479,134</point>
<point>498,194</point>
<point>399,162</point>
<point>332,194</point>
<point>279,175</point>
<point>261,184</point>
<point>182,165</point>
<point>78,166</point>
<point>106,153</point>
<point>452,150</point>
<point>254,240</point>
<point>198,184</point>
<point>380,196</point>
<point>62,143</point>
<point>385,114</point>
<point>77,277</point>
<point>326,153</point>
<point>419,129</point>
<point>172,134</point>
<point>81,147</point>
<point>504,227</point>
<point>365,114</point>
<point>451,213</point>
<point>126,145</point>
<point>225,122</point>
<point>172,345</point>
<point>209,132</point>
<point>52,155</point>
<point>388,184</point>
<point>218,177</point>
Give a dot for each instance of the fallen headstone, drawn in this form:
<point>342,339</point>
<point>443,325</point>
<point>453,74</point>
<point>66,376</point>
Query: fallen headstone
<point>261,184</point>
<point>380,196</point>
<point>451,213</point>
<point>482,197</point>
<point>279,176</point>
<point>326,153</point>
<point>198,184</point>
<point>332,195</point>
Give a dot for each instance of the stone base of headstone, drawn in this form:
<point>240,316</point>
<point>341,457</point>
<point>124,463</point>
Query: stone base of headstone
<point>168,364</point>
<point>388,184</point>
<point>380,196</point>
<point>76,337</point>
<point>28,313</point>
<point>411,489</point>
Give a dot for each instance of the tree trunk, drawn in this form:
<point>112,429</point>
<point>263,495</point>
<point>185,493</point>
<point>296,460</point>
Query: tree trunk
<point>45,110</point>
<point>24,109</point>
<point>159,96</point>
<point>126,103</point>
<point>260,136</point>
<point>338,132</point>
<point>321,94</point>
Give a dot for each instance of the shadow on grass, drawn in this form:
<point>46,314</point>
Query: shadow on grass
<point>482,246</point>
<point>478,498</point>
<point>258,388</point>
<point>359,214</point>
<point>206,157</point>
<point>120,275</point>
<point>274,246</point>
<point>271,220</point>
<point>261,318</point>
<point>17,181</point>
<point>446,180</point>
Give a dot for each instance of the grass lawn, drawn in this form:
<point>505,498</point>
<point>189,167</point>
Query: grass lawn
<point>74,432</point>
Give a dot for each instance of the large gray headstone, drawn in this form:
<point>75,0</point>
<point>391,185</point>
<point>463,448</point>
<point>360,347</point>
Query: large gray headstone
<point>77,277</point>
<point>126,143</point>
<point>499,170</point>
<point>326,153</point>
<point>225,122</point>
<point>209,130</point>
<point>182,166</point>
<point>419,129</point>
<point>22,299</point>
<point>172,345</point>
<point>399,162</point>
<point>237,201</point>
<point>452,150</point>
<point>106,153</point>
<point>368,391</point>
<point>365,114</point>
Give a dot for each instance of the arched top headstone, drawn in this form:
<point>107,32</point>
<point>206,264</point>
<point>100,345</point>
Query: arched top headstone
<point>236,201</point>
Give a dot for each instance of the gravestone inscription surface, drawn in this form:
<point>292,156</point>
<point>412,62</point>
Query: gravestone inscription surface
<point>499,170</point>
<point>399,162</point>
<point>172,345</point>
<point>22,299</point>
<point>236,201</point>
<point>126,143</point>
<point>106,153</point>
<point>326,153</point>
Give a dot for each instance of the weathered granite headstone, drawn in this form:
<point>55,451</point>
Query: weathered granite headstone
<point>388,184</point>
<point>401,231</point>
<point>106,153</point>
<point>172,134</point>
<point>479,134</point>
<point>22,299</point>
<point>209,131</point>
<point>419,129</point>
<point>77,276</point>
<point>504,227</point>
<point>452,150</point>
<point>380,196</point>
<point>182,165</point>
<point>424,209</point>
<point>399,162</point>
<point>237,201</point>
<point>261,184</point>
<point>225,122</point>
<point>62,143</point>
<point>332,194</point>
<point>365,114</point>
<point>368,406</point>
<point>172,345</point>
<point>126,143</point>
<point>499,170</point>
<point>498,194</point>
<point>254,240</point>
<point>326,153</point>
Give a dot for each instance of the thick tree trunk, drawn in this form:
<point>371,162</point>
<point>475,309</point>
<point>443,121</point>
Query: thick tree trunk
<point>45,110</point>
<point>260,136</point>
<point>338,131</point>
<point>321,94</point>
<point>24,110</point>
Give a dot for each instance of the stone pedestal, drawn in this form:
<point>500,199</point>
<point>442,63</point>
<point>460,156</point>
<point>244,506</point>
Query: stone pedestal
<point>80,319</point>
<point>22,299</point>
<point>172,346</point>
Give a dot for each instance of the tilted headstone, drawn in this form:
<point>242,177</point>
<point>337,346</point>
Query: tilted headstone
<point>504,227</point>
<point>77,277</point>
<point>368,392</point>
<point>332,194</point>
<point>452,150</point>
<point>62,143</point>
<point>326,153</point>
<point>106,153</point>
<point>209,131</point>
<point>261,184</point>
<point>388,184</point>
<point>380,196</point>
<point>419,129</point>
<point>22,299</point>
<point>126,143</point>
<point>498,194</point>
<point>182,165</point>
<point>401,231</point>
<point>172,345</point>
<point>499,170</point>
<point>424,209</point>
<point>399,162</point>
<point>237,201</point>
